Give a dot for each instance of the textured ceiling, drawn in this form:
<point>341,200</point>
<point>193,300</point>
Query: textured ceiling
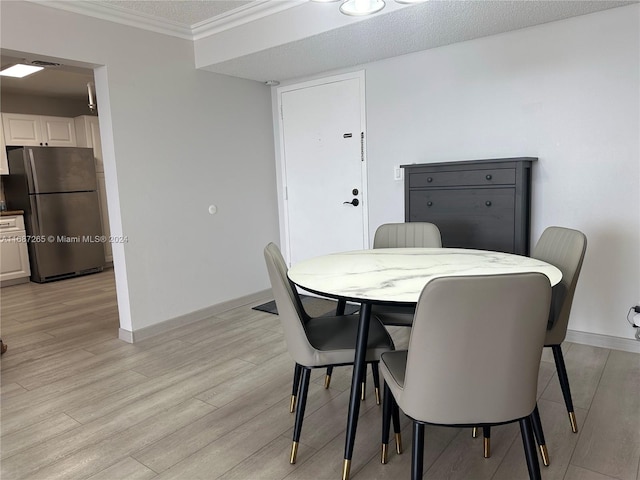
<point>420,27</point>
<point>392,33</point>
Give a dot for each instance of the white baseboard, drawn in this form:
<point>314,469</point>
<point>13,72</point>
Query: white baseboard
<point>181,321</point>
<point>125,335</point>
<point>605,341</point>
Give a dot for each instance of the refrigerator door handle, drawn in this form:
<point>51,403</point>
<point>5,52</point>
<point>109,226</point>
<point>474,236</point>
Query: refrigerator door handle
<point>35,207</point>
<point>33,175</point>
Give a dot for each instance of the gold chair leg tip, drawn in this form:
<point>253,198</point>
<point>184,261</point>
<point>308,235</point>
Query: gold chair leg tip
<point>346,467</point>
<point>574,423</point>
<point>545,455</point>
<point>487,448</point>
<point>384,453</point>
<point>377,392</point>
<point>398,443</point>
<point>292,404</point>
<point>294,453</point>
<point>474,432</point>
<point>327,381</point>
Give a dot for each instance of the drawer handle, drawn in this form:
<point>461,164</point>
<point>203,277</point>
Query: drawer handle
<point>429,179</point>
<point>429,203</point>
<point>5,224</point>
<point>488,203</point>
<point>488,176</point>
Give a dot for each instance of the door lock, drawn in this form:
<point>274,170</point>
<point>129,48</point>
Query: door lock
<point>355,202</point>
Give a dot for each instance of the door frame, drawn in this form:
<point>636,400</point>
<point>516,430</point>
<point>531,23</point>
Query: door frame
<point>280,155</point>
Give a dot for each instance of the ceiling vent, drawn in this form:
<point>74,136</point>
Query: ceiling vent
<point>43,63</point>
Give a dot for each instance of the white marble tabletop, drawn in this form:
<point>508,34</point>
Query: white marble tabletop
<point>400,274</point>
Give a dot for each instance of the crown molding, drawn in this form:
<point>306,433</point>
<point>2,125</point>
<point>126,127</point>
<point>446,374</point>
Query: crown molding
<point>120,15</point>
<point>111,13</point>
<point>245,14</point>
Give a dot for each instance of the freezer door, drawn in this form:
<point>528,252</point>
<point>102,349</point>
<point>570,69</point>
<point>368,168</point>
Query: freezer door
<point>60,169</point>
<point>66,232</point>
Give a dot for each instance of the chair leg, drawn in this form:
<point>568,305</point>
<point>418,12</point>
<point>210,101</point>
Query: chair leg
<point>375,372</point>
<point>386,423</point>
<point>539,434</point>
<point>564,385</point>
<point>363,386</point>
<point>395,413</point>
<point>529,448</point>
<point>417,451</point>
<point>486,432</point>
<point>474,432</point>
<point>296,386</point>
<point>327,377</point>
<point>302,403</point>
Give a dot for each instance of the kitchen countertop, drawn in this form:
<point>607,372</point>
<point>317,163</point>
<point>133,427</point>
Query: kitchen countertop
<point>7,213</point>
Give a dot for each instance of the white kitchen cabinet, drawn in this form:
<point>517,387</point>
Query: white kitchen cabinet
<point>88,135</point>
<point>38,130</point>
<point>21,129</point>
<point>14,258</point>
<point>102,196</point>
<point>4,164</point>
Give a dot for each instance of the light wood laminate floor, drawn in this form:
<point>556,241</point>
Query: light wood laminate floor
<point>210,400</point>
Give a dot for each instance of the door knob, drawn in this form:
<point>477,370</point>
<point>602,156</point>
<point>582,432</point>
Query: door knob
<point>355,202</point>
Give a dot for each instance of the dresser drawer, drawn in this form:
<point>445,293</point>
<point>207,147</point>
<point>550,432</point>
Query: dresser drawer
<point>469,201</point>
<point>496,176</point>
<point>468,218</point>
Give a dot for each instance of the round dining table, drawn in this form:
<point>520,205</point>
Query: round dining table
<point>395,276</point>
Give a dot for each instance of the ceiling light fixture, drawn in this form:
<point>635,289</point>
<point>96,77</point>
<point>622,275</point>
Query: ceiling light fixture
<point>364,7</point>
<point>361,7</point>
<point>19,70</point>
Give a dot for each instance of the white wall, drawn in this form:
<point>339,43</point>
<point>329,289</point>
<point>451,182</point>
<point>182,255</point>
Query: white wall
<point>177,140</point>
<point>567,92</point>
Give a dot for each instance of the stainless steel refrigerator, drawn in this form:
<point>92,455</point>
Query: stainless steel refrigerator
<point>56,187</point>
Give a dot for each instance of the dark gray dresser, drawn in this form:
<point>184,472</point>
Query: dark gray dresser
<point>483,204</point>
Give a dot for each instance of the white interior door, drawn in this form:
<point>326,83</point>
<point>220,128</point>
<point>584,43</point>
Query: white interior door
<point>324,168</point>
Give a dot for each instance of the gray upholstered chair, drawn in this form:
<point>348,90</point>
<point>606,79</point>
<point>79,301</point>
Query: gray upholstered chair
<point>403,235</point>
<point>564,248</point>
<point>500,319</point>
<point>407,235</point>
<point>313,343</point>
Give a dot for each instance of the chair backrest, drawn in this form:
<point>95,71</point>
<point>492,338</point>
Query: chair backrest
<point>289,307</point>
<point>475,348</point>
<point>407,235</point>
<point>565,249</point>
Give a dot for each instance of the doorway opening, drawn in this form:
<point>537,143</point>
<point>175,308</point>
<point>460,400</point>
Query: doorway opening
<point>53,107</point>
